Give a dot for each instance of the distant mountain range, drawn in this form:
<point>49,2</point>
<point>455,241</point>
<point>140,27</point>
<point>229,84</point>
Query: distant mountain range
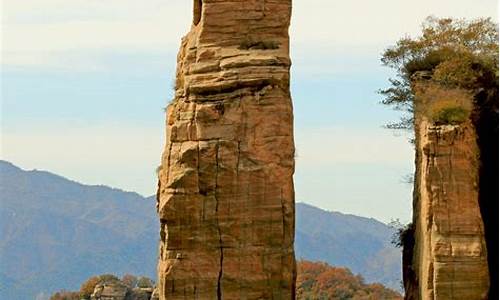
<point>56,233</point>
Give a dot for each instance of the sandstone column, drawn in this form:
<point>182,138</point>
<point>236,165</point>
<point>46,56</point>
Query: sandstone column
<point>225,195</point>
<point>449,255</point>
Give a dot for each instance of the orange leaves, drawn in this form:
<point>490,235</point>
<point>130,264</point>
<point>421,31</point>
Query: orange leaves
<point>318,280</point>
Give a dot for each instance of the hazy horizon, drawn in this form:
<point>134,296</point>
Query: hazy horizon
<point>154,193</point>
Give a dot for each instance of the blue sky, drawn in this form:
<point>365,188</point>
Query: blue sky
<point>84,83</point>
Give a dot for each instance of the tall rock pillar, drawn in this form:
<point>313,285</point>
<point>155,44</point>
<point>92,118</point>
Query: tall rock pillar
<point>448,255</point>
<point>225,195</point>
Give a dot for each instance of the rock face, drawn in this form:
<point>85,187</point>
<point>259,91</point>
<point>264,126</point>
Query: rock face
<point>110,291</point>
<point>225,195</point>
<point>118,291</point>
<point>446,256</point>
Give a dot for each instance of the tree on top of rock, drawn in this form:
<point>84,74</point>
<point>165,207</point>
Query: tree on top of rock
<point>453,52</point>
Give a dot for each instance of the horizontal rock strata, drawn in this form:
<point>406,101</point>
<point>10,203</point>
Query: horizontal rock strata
<point>225,195</point>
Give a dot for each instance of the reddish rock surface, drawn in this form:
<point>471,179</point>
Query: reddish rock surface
<point>225,196</point>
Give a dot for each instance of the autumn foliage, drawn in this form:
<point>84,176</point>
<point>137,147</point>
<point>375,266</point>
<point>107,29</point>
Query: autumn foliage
<point>88,286</point>
<point>315,281</point>
<point>320,281</point>
<point>65,295</point>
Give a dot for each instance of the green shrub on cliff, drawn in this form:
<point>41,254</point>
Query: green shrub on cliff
<point>451,115</point>
<point>456,53</point>
<point>402,234</point>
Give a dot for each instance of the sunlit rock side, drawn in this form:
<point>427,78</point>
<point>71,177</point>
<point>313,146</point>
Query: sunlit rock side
<point>225,195</point>
<point>449,257</point>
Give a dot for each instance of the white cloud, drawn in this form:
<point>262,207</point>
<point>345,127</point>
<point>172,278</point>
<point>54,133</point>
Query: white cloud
<point>40,31</point>
<point>59,11</point>
<point>323,147</point>
<point>338,24</point>
<point>352,169</point>
<point>87,35</point>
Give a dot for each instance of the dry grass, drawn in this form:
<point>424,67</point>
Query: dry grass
<point>443,105</point>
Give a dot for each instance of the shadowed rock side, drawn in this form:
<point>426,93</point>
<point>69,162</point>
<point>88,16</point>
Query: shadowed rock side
<point>448,252</point>
<point>225,196</point>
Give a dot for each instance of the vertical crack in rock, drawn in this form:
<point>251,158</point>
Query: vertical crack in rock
<point>238,160</point>
<point>221,262</point>
<point>225,193</point>
<point>283,218</point>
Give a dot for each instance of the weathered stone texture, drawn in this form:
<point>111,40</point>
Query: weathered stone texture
<point>225,196</point>
<point>110,291</point>
<point>118,291</point>
<point>449,255</point>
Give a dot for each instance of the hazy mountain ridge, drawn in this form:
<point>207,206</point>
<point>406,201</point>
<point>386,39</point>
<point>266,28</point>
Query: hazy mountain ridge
<point>57,232</point>
<point>361,244</point>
